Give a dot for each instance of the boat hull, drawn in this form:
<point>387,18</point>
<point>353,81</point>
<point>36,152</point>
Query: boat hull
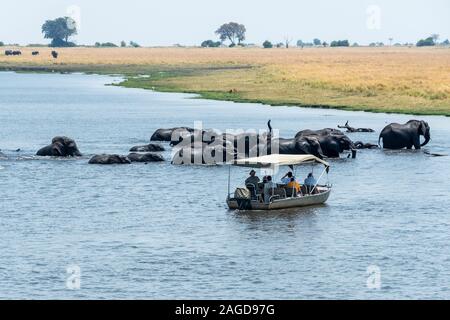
<point>296,202</point>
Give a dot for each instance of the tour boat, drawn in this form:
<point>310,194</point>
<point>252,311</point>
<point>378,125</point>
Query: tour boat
<point>252,198</point>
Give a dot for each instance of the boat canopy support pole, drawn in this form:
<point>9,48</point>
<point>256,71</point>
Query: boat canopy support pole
<point>229,180</point>
<point>317,183</point>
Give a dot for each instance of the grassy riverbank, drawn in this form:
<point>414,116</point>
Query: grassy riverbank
<point>402,80</point>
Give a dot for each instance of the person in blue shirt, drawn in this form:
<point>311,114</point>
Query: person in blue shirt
<point>310,181</point>
<point>287,178</point>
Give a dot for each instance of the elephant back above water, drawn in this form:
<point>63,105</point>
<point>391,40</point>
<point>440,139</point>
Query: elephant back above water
<point>145,157</point>
<point>398,136</point>
<point>109,159</point>
<point>166,134</point>
<point>332,141</point>
<point>202,154</point>
<point>60,147</point>
<point>301,145</point>
<point>321,132</point>
<point>148,148</point>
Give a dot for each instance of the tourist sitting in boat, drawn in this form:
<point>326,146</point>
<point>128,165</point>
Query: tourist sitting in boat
<point>294,185</point>
<point>252,183</point>
<point>253,179</point>
<point>310,183</point>
<point>268,189</point>
<point>287,178</point>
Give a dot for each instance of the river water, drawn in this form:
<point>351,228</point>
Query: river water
<point>163,231</point>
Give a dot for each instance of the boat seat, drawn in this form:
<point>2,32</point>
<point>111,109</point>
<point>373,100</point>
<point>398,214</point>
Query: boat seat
<point>278,193</point>
<point>291,192</point>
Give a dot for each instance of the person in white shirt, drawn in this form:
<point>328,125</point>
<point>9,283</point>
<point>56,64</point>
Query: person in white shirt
<point>268,187</point>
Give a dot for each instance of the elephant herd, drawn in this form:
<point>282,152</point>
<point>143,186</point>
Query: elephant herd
<point>66,147</point>
<point>33,53</point>
<point>192,146</point>
<point>13,53</point>
<point>211,147</point>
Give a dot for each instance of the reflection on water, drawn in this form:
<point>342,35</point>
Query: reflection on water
<point>163,231</point>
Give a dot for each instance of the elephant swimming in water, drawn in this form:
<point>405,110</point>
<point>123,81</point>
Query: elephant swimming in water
<point>109,159</point>
<point>398,136</point>
<point>202,153</point>
<point>148,148</point>
<point>60,147</point>
<point>332,141</point>
<point>300,145</point>
<point>145,157</point>
<point>321,132</point>
<point>362,145</point>
<point>166,134</point>
<point>352,129</point>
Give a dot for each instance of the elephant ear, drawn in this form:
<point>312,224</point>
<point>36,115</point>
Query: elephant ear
<point>423,127</point>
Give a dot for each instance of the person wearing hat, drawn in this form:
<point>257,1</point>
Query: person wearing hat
<point>253,179</point>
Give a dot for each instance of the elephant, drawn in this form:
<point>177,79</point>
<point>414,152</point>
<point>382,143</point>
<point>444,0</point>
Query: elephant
<point>332,141</point>
<point>301,145</point>
<point>109,159</point>
<point>146,157</point>
<point>202,154</point>
<point>166,134</point>
<point>187,136</point>
<point>60,147</point>
<point>362,145</point>
<point>398,136</point>
<point>148,148</point>
<point>248,143</point>
<point>321,132</point>
<point>351,129</point>
<point>333,145</point>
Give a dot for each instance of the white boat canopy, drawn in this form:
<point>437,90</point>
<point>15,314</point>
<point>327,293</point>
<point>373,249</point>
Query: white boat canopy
<point>280,160</point>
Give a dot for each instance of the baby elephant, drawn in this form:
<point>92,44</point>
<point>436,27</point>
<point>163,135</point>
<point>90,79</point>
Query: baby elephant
<point>60,147</point>
<point>109,159</point>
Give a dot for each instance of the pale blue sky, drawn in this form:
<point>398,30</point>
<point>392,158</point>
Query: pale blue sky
<point>189,22</point>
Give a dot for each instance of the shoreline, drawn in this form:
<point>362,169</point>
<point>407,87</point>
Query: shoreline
<point>131,80</point>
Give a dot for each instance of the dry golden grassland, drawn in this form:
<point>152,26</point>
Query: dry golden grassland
<point>406,80</point>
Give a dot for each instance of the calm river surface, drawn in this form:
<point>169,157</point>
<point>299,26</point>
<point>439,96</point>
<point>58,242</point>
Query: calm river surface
<point>163,231</point>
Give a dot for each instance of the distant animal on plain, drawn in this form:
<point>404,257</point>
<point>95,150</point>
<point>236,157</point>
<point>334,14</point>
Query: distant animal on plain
<point>55,54</point>
<point>13,53</point>
<point>35,53</point>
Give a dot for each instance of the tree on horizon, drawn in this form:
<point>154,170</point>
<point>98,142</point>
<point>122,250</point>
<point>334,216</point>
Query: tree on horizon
<point>59,30</point>
<point>232,31</point>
